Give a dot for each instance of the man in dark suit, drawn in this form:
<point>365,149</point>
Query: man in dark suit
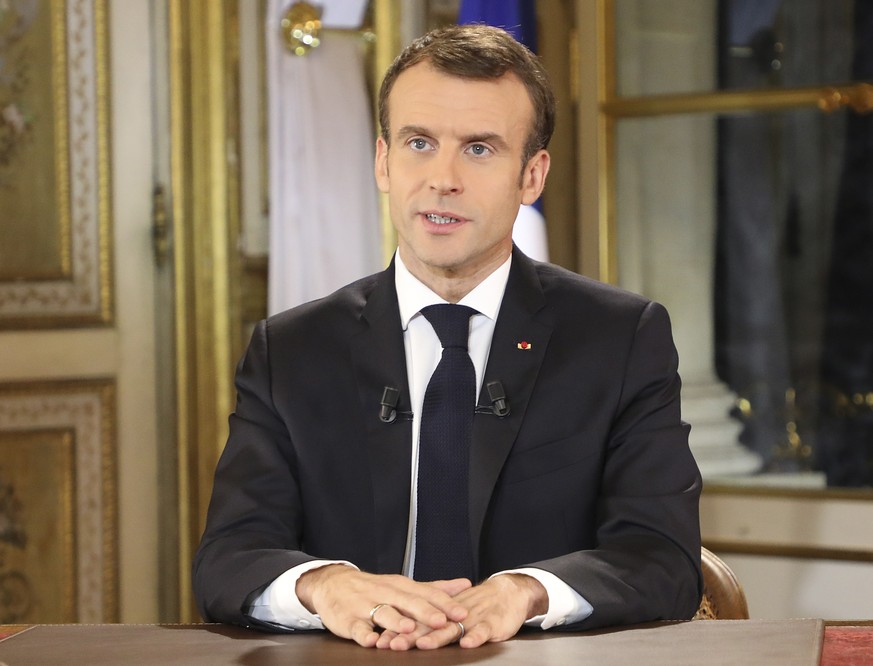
<point>581,491</point>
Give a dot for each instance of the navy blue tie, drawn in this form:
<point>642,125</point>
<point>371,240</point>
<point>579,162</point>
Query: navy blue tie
<point>442,530</point>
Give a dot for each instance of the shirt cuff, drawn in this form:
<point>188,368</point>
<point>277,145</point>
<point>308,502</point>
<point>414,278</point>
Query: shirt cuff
<point>566,605</point>
<point>278,603</point>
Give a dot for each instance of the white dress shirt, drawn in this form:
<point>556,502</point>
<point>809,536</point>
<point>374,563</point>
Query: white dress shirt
<point>278,603</point>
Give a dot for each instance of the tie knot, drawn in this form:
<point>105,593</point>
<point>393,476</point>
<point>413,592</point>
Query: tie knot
<point>451,323</point>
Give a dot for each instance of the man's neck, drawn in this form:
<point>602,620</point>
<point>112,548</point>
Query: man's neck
<point>449,284</point>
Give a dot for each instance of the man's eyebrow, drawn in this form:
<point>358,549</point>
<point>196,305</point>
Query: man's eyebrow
<point>412,130</point>
<point>493,138</point>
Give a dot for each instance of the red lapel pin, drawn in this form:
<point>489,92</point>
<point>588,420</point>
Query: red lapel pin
<point>525,345</point>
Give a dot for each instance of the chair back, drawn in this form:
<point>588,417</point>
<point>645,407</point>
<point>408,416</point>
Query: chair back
<point>723,596</point>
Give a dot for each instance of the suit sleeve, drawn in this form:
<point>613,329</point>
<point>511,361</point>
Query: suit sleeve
<point>645,565</point>
<point>254,521</point>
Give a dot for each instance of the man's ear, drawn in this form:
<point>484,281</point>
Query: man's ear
<point>381,165</point>
<point>533,178</point>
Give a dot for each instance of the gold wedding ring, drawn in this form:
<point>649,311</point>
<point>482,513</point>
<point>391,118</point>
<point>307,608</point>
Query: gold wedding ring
<point>373,616</point>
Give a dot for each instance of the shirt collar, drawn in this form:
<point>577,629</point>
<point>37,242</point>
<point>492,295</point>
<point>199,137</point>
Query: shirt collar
<point>413,295</point>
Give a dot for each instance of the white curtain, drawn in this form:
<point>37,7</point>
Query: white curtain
<point>324,220</point>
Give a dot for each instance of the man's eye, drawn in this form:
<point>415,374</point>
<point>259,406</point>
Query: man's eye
<point>418,144</point>
<point>479,149</point>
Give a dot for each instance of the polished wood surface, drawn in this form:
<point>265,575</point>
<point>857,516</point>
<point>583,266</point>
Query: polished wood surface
<point>723,642</point>
<point>723,595</point>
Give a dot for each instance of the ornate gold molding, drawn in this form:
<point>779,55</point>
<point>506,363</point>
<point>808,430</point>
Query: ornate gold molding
<point>82,294</point>
<point>86,409</point>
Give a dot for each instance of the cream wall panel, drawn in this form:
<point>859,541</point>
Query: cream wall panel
<point>47,354</point>
<point>826,523</point>
<point>783,588</point>
<point>131,81</point>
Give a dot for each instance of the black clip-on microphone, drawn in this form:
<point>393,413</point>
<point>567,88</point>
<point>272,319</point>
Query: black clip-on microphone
<point>388,409</point>
<point>391,397</point>
<point>499,404</point>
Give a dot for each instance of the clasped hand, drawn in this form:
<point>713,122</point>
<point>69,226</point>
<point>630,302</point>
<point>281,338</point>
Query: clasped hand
<point>423,615</point>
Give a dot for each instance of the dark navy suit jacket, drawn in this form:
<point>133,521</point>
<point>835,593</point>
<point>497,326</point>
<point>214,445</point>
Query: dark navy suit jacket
<point>589,476</point>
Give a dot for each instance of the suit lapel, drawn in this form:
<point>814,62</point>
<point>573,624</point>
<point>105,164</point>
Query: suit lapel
<point>379,360</point>
<point>516,369</point>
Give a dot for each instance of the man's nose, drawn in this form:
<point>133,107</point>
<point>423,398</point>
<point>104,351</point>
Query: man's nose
<point>445,174</point>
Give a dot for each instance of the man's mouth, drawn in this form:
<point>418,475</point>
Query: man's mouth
<point>441,219</point>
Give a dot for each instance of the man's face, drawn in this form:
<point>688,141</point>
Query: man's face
<point>453,173</point>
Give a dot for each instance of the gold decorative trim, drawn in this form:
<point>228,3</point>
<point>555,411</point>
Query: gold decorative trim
<point>591,135</point>
<point>607,197</point>
<point>87,409</point>
<point>386,19</point>
<point>818,494</point>
<point>728,101</point>
<point>759,549</point>
<point>205,207</point>
<point>263,124</point>
<point>83,294</point>
<point>104,163</point>
<point>61,111</point>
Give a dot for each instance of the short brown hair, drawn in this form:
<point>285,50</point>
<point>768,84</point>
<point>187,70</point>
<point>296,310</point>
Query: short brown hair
<point>479,52</point>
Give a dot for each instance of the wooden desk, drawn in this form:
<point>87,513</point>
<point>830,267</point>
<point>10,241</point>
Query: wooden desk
<point>714,643</point>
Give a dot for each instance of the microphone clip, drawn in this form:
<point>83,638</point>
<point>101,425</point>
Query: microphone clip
<point>388,406</point>
<point>499,404</point>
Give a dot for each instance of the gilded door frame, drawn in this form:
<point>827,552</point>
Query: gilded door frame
<point>204,208</point>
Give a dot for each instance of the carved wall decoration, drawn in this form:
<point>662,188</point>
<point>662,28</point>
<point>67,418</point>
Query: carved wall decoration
<point>58,502</point>
<point>55,266</point>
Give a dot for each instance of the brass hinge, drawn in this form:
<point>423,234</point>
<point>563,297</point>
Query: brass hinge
<point>160,226</point>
